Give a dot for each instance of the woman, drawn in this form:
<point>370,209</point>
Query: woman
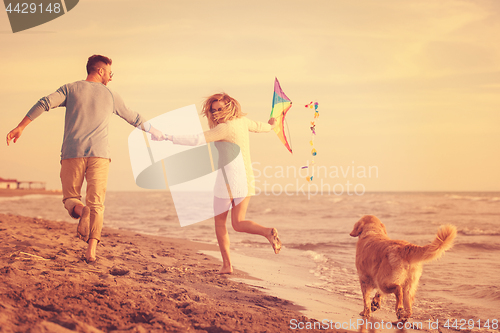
<point>235,185</point>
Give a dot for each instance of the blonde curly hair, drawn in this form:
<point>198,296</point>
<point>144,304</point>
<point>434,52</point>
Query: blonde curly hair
<point>231,110</point>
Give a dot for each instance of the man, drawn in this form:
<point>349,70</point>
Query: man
<point>85,151</point>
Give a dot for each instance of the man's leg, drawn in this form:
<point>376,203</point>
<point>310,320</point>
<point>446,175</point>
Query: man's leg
<point>72,175</point>
<point>97,179</point>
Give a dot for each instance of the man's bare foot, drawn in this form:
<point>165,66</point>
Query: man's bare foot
<point>90,255</point>
<point>83,229</point>
<point>226,270</point>
<point>274,240</point>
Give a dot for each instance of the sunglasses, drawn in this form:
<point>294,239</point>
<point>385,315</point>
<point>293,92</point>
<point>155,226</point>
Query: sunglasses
<point>110,73</point>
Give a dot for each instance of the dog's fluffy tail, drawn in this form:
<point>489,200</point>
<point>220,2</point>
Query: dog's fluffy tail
<point>443,242</point>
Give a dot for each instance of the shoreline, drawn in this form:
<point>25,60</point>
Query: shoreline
<point>20,192</point>
<point>141,282</point>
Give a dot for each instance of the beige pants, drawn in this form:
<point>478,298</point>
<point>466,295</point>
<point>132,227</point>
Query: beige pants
<point>95,171</point>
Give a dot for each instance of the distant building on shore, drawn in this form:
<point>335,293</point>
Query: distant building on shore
<point>8,183</point>
<point>14,184</point>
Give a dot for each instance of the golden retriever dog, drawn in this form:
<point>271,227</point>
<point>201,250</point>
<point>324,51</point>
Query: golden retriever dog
<point>393,266</point>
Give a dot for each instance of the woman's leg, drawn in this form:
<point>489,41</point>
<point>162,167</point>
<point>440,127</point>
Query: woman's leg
<point>222,235</point>
<point>241,225</point>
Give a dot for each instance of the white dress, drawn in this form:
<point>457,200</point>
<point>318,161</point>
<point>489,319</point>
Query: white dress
<point>234,163</point>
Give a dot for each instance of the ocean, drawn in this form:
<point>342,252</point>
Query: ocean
<point>462,289</point>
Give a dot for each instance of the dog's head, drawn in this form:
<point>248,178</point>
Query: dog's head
<point>368,223</point>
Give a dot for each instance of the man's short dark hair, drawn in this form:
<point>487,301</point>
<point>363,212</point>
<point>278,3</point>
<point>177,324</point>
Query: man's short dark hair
<point>94,60</point>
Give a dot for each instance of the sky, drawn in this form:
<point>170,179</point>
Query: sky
<point>409,90</point>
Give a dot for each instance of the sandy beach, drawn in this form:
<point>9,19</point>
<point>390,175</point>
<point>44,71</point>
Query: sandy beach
<point>139,284</point>
<point>154,276</point>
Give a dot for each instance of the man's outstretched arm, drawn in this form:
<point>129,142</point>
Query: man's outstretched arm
<point>57,98</point>
<point>16,132</point>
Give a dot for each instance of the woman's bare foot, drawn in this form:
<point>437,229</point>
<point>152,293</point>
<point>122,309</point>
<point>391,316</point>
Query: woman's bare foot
<point>226,270</point>
<point>274,240</point>
<point>83,229</point>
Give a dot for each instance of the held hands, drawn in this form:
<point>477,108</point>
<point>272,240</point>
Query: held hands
<point>156,135</point>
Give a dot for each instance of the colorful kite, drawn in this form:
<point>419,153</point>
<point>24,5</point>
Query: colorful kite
<point>281,105</point>
<point>313,134</point>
